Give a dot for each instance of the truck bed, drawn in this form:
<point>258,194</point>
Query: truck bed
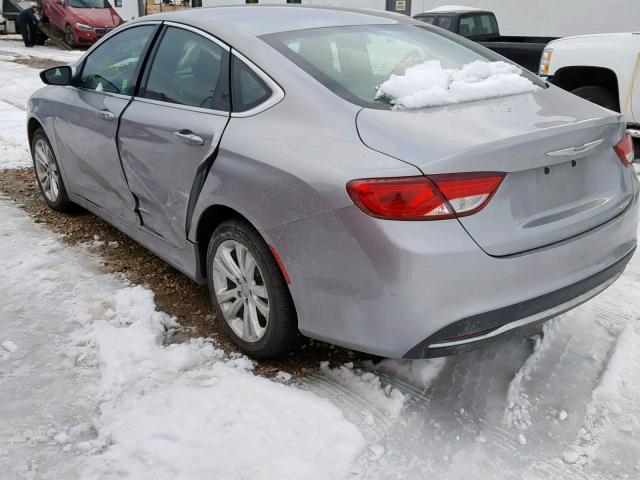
<point>525,51</point>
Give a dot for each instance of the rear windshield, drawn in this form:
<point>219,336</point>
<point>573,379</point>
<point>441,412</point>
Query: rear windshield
<point>353,61</point>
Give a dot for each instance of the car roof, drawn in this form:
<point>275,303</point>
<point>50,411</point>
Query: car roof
<point>257,20</point>
<point>454,11</point>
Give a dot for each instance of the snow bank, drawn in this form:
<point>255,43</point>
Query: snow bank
<point>13,46</point>
<point>14,150</point>
<point>93,390</point>
<point>518,404</point>
<point>430,85</point>
<point>186,408</point>
<point>17,83</point>
<point>626,347</point>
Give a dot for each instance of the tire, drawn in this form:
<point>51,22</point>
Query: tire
<point>244,295</point>
<point>69,36</point>
<point>48,175</point>
<point>598,95</point>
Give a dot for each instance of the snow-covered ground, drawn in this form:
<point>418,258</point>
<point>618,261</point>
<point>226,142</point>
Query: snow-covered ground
<point>93,387</point>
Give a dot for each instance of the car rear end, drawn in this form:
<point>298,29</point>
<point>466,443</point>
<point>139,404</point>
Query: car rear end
<point>370,280</point>
<point>521,207</point>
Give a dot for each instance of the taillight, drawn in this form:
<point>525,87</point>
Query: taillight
<point>425,198</point>
<point>624,149</point>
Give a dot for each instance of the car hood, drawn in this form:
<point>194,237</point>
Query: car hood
<point>96,17</point>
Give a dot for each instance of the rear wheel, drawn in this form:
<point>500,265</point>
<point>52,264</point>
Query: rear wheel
<point>48,174</point>
<point>70,37</point>
<point>249,293</point>
<point>598,95</point>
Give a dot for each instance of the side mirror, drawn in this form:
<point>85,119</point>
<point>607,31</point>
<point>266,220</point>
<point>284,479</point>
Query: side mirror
<point>57,75</point>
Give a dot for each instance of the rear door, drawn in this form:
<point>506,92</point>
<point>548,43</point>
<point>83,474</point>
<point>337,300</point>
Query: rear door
<point>170,132</point>
<point>88,120</point>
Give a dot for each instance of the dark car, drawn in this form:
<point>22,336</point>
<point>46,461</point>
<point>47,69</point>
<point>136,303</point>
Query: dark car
<point>482,26</point>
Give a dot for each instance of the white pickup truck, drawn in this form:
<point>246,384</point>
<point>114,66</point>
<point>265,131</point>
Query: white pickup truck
<point>603,68</point>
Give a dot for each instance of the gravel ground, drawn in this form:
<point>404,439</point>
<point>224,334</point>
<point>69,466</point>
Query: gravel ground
<point>175,294</point>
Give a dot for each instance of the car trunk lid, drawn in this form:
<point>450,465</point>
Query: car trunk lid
<point>563,176</point>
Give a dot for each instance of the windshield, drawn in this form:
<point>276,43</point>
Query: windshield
<point>354,61</point>
<point>89,3</point>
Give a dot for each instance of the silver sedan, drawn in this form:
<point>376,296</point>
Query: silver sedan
<point>248,148</point>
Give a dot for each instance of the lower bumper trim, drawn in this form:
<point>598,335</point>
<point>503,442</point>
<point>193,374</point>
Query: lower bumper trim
<point>472,332</point>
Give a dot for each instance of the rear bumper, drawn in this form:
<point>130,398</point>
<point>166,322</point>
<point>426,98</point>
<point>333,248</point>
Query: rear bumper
<point>473,332</point>
<point>383,287</point>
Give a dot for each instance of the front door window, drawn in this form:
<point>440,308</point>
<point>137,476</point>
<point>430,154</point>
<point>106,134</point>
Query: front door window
<point>111,67</point>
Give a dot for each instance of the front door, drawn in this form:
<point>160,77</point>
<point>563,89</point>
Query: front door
<point>170,132</point>
<point>88,128</point>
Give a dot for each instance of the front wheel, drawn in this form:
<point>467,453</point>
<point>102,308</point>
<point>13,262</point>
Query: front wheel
<point>249,293</point>
<point>48,173</point>
<point>70,37</point>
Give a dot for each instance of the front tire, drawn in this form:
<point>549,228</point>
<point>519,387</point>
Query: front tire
<point>69,36</point>
<point>598,95</point>
<point>249,294</point>
<point>48,175</point>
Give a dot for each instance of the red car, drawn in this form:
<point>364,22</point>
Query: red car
<point>83,21</point>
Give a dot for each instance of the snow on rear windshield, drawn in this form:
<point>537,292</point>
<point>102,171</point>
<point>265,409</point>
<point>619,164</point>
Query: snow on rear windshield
<point>429,84</point>
<point>356,61</point>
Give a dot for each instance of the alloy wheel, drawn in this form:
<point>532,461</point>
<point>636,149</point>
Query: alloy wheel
<point>47,170</point>
<point>241,291</point>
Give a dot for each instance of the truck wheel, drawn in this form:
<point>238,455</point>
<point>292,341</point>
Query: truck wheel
<point>69,36</point>
<point>598,95</point>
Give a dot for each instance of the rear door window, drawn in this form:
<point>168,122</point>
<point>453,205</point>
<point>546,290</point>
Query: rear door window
<point>188,69</point>
<point>249,90</point>
<point>112,66</point>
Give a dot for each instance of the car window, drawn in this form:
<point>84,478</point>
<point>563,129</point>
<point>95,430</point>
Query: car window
<point>478,25</point>
<point>352,61</point>
<point>112,65</point>
<point>445,22</point>
<point>187,70</point>
<point>249,90</point>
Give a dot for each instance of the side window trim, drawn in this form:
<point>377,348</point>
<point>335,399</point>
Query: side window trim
<point>138,71</point>
<point>277,93</point>
<point>144,74</point>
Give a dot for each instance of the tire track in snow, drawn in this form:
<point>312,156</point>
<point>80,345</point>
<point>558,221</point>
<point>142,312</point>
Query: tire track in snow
<point>613,413</point>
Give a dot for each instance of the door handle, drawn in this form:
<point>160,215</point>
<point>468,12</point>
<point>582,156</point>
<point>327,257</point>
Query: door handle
<point>105,114</point>
<point>187,136</point>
